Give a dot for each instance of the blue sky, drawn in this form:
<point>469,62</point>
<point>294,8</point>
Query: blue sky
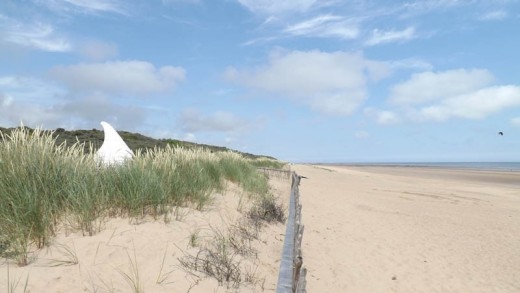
<point>301,80</point>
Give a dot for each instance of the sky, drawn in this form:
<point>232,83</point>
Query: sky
<point>300,80</point>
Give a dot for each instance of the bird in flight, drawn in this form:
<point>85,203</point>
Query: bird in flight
<point>500,133</point>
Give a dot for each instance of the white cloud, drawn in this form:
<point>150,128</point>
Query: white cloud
<point>193,121</point>
<point>40,36</point>
<point>424,6</point>
<point>431,86</point>
<point>92,109</point>
<point>324,26</point>
<point>13,112</point>
<point>38,103</point>
<point>460,93</point>
<point>82,113</point>
<point>474,105</point>
<point>516,121</point>
<point>277,6</point>
<point>98,51</point>
<point>381,37</point>
<point>25,99</point>
<point>332,83</point>
<point>387,117</point>
<point>120,77</point>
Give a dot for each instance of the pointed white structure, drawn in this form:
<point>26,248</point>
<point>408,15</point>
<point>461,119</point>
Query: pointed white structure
<point>114,150</point>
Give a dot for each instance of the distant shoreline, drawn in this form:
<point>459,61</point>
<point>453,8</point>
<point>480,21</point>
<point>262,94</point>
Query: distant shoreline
<point>447,173</point>
<point>477,166</point>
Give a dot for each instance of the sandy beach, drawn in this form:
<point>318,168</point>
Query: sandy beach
<point>368,229</point>
<point>405,229</point>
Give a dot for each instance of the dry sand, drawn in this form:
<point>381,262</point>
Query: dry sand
<point>391,229</point>
<point>154,248</point>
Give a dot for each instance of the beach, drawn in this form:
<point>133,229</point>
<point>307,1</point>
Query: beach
<point>410,229</point>
<point>367,229</point>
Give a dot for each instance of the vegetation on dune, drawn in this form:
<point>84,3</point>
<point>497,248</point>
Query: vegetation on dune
<point>91,140</point>
<point>46,182</point>
<point>230,257</point>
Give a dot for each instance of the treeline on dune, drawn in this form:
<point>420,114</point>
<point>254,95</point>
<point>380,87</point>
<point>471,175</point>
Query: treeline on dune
<point>94,139</point>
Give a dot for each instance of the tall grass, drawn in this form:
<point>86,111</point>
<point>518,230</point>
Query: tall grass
<point>43,185</point>
<point>33,174</point>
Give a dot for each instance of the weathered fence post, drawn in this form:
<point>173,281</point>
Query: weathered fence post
<point>292,274</point>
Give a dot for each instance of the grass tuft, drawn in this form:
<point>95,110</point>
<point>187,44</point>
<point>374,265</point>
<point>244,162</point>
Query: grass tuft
<point>69,256</point>
<point>267,209</point>
<point>133,278</point>
<point>218,261</point>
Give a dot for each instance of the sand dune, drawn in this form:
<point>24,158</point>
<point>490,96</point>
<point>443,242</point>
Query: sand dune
<point>148,252</point>
<point>391,229</point>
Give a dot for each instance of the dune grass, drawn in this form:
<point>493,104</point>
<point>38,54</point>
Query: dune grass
<point>44,185</point>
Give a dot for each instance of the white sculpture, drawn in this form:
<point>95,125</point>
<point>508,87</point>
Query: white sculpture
<point>114,150</point>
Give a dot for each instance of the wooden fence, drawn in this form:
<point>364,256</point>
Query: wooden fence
<point>276,173</point>
<point>291,278</point>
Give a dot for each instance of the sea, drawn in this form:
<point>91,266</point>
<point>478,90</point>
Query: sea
<point>488,166</point>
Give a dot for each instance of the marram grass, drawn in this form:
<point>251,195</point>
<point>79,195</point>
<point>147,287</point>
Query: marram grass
<point>43,185</point>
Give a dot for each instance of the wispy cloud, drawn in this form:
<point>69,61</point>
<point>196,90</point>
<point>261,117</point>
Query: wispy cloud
<point>29,100</point>
<point>28,88</point>
<point>495,15</point>
<point>324,26</point>
<point>168,2</point>
<point>275,7</point>
<point>361,134</point>
<point>411,63</point>
<point>383,117</point>
<point>85,6</point>
<point>381,37</point>
<point>40,36</point>
<point>259,40</point>
<point>416,7</point>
